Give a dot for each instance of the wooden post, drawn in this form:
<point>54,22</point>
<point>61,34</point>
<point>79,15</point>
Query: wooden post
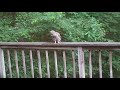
<point>16,62</point>
<point>47,63</point>
<point>24,64</point>
<point>39,63</point>
<point>90,65</point>
<point>2,65</point>
<point>31,63</point>
<point>56,66</point>
<point>81,62</point>
<point>100,65</point>
<point>110,62</point>
<point>73,59</point>
<point>64,61</point>
<point>9,63</point>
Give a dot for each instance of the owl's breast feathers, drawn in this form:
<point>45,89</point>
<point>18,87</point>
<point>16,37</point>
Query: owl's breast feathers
<point>54,38</point>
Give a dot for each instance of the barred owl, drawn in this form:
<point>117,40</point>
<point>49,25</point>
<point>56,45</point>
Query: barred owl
<point>55,36</point>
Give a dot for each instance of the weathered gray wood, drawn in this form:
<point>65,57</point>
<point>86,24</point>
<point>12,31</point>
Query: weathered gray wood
<point>31,63</point>
<point>79,66</point>
<point>64,62</point>
<point>42,48</point>
<point>65,46</point>
<point>100,64</point>
<point>110,62</point>
<point>56,66</point>
<point>47,63</point>
<point>81,62</point>
<point>90,65</point>
<point>39,63</point>
<point>62,47</point>
<point>16,62</point>
<point>73,59</point>
<point>24,64</point>
<point>2,65</point>
<point>73,44</point>
<point>9,63</point>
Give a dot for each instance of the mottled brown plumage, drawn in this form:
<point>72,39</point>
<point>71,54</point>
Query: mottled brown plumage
<point>55,36</point>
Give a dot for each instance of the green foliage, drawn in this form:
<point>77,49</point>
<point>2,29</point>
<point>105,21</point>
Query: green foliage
<point>31,26</point>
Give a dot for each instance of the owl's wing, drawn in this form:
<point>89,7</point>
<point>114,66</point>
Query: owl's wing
<point>58,34</point>
<point>59,37</point>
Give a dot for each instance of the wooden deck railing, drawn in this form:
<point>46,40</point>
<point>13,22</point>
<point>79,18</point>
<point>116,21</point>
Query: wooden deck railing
<point>80,47</point>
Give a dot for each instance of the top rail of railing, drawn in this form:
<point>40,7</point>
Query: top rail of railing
<point>62,44</point>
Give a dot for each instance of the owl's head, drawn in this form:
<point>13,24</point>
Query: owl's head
<point>52,31</point>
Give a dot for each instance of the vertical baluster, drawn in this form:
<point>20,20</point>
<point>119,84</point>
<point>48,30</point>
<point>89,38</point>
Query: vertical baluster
<point>31,63</point>
<point>90,65</point>
<point>9,63</point>
<point>73,59</point>
<point>100,64</point>
<point>24,65</point>
<point>2,65</point>
<point>56,66</point>
<point>39,63</point>
<point>81,62</point>
<point>16,62</point>
<point>47,62</point>
<point>110,62</point>
<point>64,61</point>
